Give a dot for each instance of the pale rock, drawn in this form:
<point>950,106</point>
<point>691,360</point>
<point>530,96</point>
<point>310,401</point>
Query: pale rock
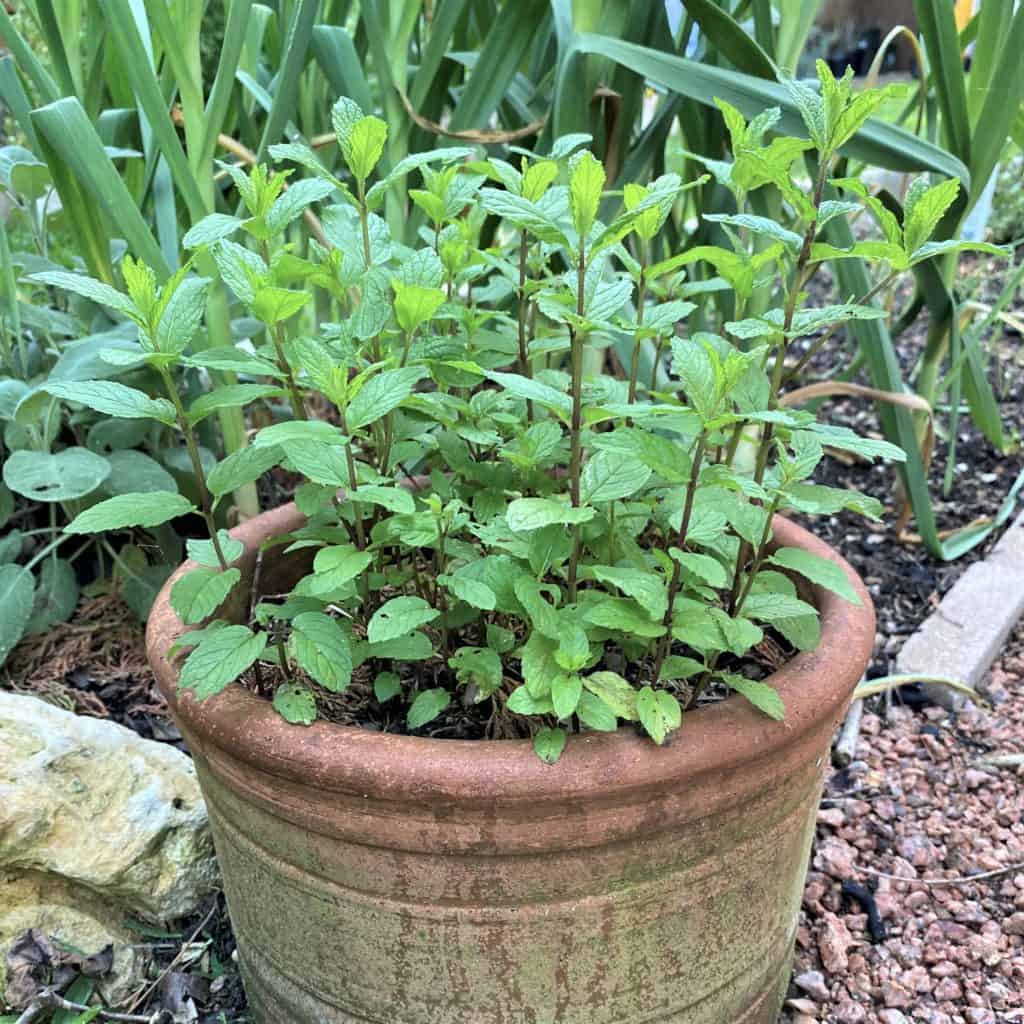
<point>813,983</point>
<point>71,915</point>
<point>850,1013</point>
<point>835,858</point>
<point>92,803</point>
<point>891,1017</point>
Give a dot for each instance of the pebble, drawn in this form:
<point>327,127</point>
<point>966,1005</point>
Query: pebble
<point>916,805</point>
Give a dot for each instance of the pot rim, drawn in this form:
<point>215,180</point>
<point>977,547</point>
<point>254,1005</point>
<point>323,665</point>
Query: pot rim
<point>718,739</point>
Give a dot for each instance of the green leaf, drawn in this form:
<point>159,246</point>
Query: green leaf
<point>525,514</point>
<point>89,288</point>
<point>183,313</point>
<point>380,394</point>
<point>523,214</point>
<point>586,186</point>
<point>294,200</point>
<point>56,597</point>
<point>549,744</point>
<point>212,228</point>
<point>334,567</point>
<point>364,146</point>
<point>924,210</point>
<point>114,399</point>
<point>614,691</point>
<point>324,464</point>
<point>696,368</point>
<point>659,713</point>
<point>415,305</point>
<point>274,305</point>
<point>541,614</point>
<point>17,588</point>
<point>202,551</point>
<point>295,703</point>
<point>480,667</point>
<point>706,568</point>
<point>150,508</point>
<point>647,588</point>
<point>386,686</point>
<point>675,666</point>
<point>230,396</point>
<point>426,707</point>
<point>623,615</point>
<point>473,592</point>
<point>321,647</point>
<point>220,658</point>
<point>299,430</point>
<point>414,647</point>
<point>200,592</point>
<point>565,694</point>
<point>394,499</point>
<point>522,703</point>
<point>764,697</point>
<point>242,467</point>
<point>770,607</point>
<point>609,476</point>
<point>533,391</point>
<point>59,476</point>
<point>397,617</point>
<point>822,571</point>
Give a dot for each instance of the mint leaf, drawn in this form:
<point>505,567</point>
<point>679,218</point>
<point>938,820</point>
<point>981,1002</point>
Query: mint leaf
<point>609,476</point>
<point>549,744</point>
<point>200,592</point>
<point>58,476</point>
<point>114,399</point>
<point>144,509</point>
<point>586,186</point>
<point>364,145</point>
<point>761,695</point>
<point>532,513</point>
<point>386,686</point>
<point>212,228</point>
<point>647,588</point>
<point>818,570</point>
<point>615,692</point>
<point>87,287</point>
<point>242,467</point>
<point>295,704</point>
<point>334,567</point>
<point>17,589</point>
<point>230,396</point>
<point>321,647</point>
<point>202,551</point>
<point>397,617</point>
<point>659,713</point>
<point>426,707</point>
<point>382,393</point>
<point>220,658</point>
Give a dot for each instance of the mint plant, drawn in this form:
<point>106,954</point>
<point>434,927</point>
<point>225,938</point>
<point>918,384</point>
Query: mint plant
<point>488,524</point>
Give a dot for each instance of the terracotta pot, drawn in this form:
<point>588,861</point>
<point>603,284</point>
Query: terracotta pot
<point>386,879</point>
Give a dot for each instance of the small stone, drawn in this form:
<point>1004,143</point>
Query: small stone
<point>831,816</point>
<point>975,778</point>
<point>895,995</point>
<point>833,942</point>
<point>1014,924</point>
<point>836,858</point>
<point>813,983</point>
<point>979,1015</point>
<point>891,1017</point>
<point>806,1006</point>
<point>850,1012</point>
<point>947,989</point>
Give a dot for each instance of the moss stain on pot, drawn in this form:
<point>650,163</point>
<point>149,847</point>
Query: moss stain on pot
<point>384,878</point>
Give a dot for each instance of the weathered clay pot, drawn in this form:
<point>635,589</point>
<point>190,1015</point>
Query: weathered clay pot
<point>385,879</point>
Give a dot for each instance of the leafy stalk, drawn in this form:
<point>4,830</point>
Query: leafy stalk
<point>206,503</point>
<point>576,343</point>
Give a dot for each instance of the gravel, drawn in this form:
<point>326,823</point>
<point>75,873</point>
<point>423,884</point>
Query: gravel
<point>920,805</point>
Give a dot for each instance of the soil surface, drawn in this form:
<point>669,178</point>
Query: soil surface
<point>914,906</point>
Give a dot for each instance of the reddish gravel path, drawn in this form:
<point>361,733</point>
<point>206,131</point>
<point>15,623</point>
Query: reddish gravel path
<point>921,802</point>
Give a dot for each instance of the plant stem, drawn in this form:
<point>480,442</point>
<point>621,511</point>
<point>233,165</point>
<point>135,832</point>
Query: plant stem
<point>677,569</point>
<point>197,462</point>
<point>524,362</point>
<point>576,342</point>
<point>758,557</point>
<point>364,220</point>
<point>641,298</point>
<point>796,283</point>
<point>298,407</point>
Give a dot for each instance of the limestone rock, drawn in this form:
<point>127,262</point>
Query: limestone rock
<point>71,915</point>
<point>92,803</point>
